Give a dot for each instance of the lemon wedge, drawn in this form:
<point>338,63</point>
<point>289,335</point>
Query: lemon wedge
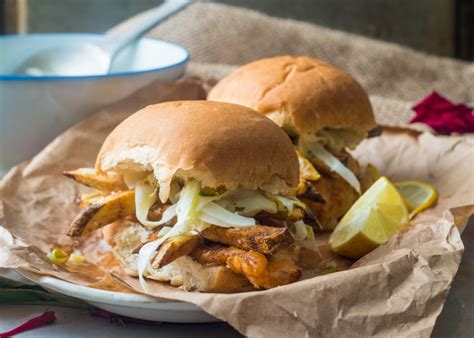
<point>418,195</point>
<point>375,217</point>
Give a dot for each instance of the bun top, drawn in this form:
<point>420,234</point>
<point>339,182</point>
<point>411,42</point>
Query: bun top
<point>301,94</point>
<point>218,144</point>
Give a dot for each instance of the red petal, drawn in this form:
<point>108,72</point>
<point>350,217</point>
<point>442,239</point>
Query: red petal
<point>444,116</point>
<point>48,317</point>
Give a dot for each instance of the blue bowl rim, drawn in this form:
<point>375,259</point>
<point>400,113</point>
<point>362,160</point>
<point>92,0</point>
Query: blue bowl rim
<point>23,77</point>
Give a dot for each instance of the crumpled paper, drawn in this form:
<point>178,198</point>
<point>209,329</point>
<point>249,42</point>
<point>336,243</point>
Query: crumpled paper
<point>396,290</point>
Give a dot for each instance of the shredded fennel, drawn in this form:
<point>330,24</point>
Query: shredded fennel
<point>164,230</point>
<point>145,197</point>
<point>304,235</point>
<point>248,202</point>
<point>341,138</point>
<point>315,149</point>
<point>188,200</point>
<point>301,232</point>
<point>287,204</point>
<point>227,210</point>
<point>213,213</point>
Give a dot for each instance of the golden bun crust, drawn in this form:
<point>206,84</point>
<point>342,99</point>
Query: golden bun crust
<point>219,144</point>
<point>302,94</point>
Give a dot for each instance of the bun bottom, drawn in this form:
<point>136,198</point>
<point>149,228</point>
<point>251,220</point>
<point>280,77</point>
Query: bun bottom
<point>193,276</point>
<point>183,272</point>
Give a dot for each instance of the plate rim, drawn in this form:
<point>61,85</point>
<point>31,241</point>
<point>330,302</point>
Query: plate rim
<point>104,296</point>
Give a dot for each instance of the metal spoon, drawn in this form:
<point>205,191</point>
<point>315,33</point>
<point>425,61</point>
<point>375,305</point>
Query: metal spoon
<point>86,58</point>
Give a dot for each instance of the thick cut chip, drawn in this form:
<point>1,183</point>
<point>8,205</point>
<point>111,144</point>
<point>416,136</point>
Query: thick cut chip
<point>259,238</point>
<point>174,248</point>
<point>88,177</point>
<point>96,197</point>
<point>111,209</point>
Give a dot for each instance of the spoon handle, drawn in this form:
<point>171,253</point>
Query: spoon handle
<point>132,29</point>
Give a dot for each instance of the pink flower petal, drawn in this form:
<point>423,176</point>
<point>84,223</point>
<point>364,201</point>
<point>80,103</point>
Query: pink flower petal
<point>443,116</point>
<point>48,317</point>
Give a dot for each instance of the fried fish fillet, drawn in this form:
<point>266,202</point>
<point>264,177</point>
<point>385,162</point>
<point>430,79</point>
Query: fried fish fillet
<point>253,265</point>
<point>248,263</point>
<point>336,192</point>
<point>339,197</point>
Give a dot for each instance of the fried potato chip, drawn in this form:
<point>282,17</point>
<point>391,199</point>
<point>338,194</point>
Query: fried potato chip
<point>88,177</point>
<point>174,248</point>
<point>96,215</point>
<point>263,239</point>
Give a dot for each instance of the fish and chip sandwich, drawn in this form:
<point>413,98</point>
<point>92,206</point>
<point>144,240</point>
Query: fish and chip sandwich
<point>197,194</point>
<point>324,110</point>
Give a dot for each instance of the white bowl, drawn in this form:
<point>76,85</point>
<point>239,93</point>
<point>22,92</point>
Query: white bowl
<point>35,109</point>
<point>125,304</point>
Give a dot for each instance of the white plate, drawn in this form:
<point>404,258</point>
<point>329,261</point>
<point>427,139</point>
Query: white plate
<point>130,305</point>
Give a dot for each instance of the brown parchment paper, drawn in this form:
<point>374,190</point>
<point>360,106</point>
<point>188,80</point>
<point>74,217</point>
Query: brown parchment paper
<point>396,290</point>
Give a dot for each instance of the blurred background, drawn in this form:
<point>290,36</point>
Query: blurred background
<point>439,27</point>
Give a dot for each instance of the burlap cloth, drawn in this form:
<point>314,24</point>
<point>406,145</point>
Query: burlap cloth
<point>219,36</point>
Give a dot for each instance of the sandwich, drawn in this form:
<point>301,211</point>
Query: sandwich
<point>325,112</point>
<point>197,194</point>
